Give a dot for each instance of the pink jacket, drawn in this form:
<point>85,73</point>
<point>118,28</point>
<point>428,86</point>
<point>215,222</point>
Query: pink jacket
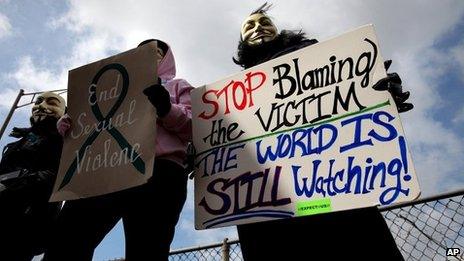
<point>174,130</point>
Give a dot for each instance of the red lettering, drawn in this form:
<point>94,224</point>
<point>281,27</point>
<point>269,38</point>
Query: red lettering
<point>240,99</point>
<point>215,105</point>
<point>243,104</point>
<point>249,79</point>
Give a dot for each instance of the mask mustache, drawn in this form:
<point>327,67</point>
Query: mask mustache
<point>260,33</point>
<point>42,111</point>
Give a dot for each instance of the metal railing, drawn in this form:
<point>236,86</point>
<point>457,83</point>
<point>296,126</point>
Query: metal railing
<point>423,230</point>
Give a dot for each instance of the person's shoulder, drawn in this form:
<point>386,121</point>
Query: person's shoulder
<point>307,42</point>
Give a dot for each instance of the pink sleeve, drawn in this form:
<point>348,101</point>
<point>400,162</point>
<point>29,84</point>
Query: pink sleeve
<point>179,118</point>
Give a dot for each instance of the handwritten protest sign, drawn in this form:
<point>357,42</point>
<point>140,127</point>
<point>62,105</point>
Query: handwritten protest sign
<point>300,135</point>
<point>111,144</point>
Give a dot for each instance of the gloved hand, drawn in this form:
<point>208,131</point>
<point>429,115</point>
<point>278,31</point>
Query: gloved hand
<point>19,132</point>
<point>190,160</point>
<point>392,83</point>
<point>159,97</point>
<point>63,125</point>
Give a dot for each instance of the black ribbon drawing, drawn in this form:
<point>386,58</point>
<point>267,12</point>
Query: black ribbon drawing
<point>138,163</point>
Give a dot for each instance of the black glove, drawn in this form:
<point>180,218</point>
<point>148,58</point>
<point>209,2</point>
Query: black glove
<point>190,160</point>
<point>159,97</point>
<point>19,132</point>
<point>392,83</point>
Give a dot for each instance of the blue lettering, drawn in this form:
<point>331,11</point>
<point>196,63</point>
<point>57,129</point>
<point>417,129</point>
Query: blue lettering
<point>297,142</point>
<point>392,133</point>
<point>217,160</point>
<point>320,130</point>
<point>268,155</point>
<point>232,157</point>
<point>357,142</point>
<point>394,169</point>
<point>250,182</point>
<point>304,188</point>
<point>358,179</point>
<point>286,144</point>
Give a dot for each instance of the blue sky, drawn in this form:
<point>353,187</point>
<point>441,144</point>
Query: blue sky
<point>41,40</point>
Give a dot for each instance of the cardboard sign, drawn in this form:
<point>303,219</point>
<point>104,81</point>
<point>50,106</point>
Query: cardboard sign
<point>111,144</point>
<point>299,135</point>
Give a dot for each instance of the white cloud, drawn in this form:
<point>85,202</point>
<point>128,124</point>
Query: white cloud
<point>459,116</point>
<point>189,33</point>
<point>458,55</point>
<point>8,97</point>
<point>5,26</point>
<point>29,76</point>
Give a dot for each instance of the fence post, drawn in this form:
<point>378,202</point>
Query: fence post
<point>225,250</point>
<point>13,108</point>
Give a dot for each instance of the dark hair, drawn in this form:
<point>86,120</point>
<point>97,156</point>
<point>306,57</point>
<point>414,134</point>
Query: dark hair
<point>162,45</point>
<point>262,9</point>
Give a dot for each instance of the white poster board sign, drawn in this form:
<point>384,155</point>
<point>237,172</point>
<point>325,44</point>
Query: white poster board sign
<point>111,144</point>
<point>299,135</point>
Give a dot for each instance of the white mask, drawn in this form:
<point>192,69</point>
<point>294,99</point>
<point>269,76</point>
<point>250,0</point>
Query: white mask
<point>48,104</point>
<point>257,29</point>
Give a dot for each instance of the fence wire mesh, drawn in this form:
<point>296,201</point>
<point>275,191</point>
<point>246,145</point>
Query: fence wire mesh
<point>423,230</point>
<point>227,250</point>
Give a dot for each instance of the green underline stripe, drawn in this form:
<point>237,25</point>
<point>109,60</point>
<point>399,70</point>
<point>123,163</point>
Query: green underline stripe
<point>380,105</point>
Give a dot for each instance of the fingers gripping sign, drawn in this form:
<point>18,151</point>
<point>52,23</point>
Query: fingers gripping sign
<point>393,84</point>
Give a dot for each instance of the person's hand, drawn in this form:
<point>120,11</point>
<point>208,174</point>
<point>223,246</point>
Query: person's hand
<point>159,98</point>
<point>63,125</point>
<point>392,83</point>
<point>190,160</point>
<point>19,132</point>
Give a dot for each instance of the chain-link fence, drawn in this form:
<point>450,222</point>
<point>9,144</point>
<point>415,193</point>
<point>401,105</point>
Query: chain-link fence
<point>225,251</point>
<point>423,230</point>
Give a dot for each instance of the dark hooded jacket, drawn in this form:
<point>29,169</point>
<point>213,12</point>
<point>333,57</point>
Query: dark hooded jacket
<point>26,214</point>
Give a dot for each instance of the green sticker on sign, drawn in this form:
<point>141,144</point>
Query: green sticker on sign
<point>305,208</point>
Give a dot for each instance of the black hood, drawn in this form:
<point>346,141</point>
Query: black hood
<point>286,42</point>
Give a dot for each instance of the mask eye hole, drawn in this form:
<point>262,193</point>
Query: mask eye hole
<point>248,26</point>
<point>39,100</point>
<point>52,102</point>
<point>265,22</point>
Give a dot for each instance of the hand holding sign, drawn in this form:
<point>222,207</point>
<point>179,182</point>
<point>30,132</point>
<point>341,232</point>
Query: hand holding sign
<point>159,98</point>
<point>64,124</point>
<point>392,83</point>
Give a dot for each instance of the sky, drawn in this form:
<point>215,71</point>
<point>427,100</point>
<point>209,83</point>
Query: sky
<point>41,40</point>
